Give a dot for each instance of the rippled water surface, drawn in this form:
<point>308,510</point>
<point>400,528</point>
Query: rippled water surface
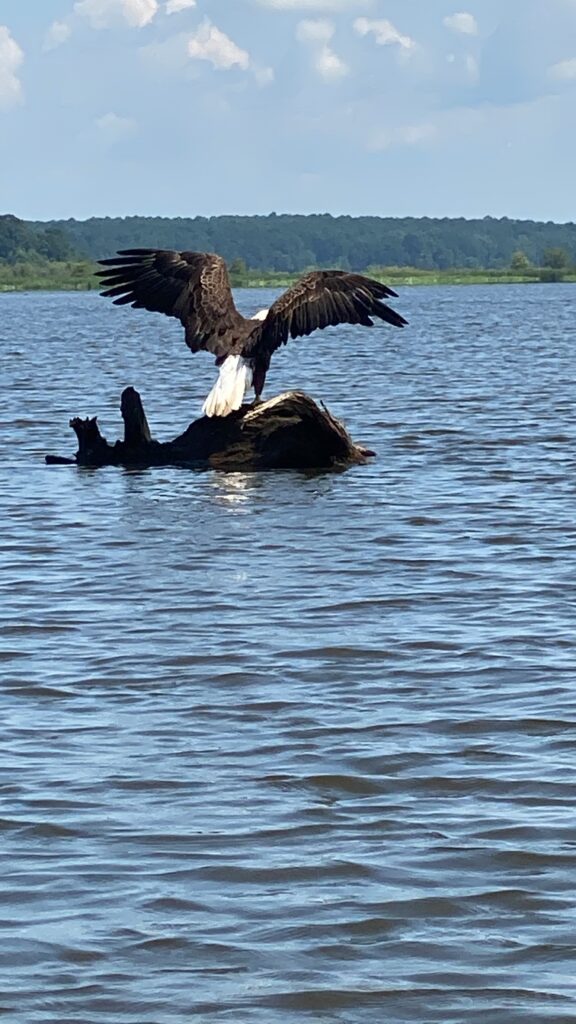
<point>280,747</point>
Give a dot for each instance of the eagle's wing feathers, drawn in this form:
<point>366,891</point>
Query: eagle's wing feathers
<point>192,286</point>
<point>320,299</point>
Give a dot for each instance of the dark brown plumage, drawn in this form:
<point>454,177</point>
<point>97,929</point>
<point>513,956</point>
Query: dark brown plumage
<point>195,288</point>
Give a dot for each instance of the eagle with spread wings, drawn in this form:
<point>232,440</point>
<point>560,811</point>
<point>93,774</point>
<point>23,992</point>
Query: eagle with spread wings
<point>195,288</point>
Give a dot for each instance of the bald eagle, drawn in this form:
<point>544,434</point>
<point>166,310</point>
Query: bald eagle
<point>195,288</point>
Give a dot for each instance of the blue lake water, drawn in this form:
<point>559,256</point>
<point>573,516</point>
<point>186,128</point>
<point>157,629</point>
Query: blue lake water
<point>280,747</point>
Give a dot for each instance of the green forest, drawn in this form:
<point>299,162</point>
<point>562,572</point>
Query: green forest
<point>272,249</point>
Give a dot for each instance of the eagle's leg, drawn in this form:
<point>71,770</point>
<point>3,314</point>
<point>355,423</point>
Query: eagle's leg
<point>258,380</point>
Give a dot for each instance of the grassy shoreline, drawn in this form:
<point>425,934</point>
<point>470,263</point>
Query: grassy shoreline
<point>79,276</point>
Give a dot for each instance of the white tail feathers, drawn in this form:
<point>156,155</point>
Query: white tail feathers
<point>234,379</point>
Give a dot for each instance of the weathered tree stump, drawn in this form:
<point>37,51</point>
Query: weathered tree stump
<point>287,432</point>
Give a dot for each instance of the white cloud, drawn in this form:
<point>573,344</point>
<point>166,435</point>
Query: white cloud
<point>565,70</point>
<point>175,6</point>
<point>57,34</point>
<point>104,13</point>
<point>463,23</point>
<point>111,128</point>
<point>384,33</point>
<point>329,65</point>
<point>317,33</point>
<point>175,54</point>
<point>11,57</point>
<point>211,44</point>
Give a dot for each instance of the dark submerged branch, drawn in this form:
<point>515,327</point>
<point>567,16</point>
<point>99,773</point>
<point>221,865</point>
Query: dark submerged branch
<point>136,430</point>
<point>287,432</point>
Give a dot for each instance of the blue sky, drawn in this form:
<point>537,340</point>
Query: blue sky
<point>385,107</point>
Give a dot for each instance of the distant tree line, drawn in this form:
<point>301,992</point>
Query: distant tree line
<point>21,242</point>
<point>289,243</point>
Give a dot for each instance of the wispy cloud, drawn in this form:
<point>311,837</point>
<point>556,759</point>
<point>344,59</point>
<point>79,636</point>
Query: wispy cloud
<point>466,66</point>
<point>313,5</point>
<point>408,135</point>
<point>317,33</point>
<point>111,128</point>
<point>463,23</point>
<point>104,13</point>
<point>175,6</point>
<point>57,34</point>
<point>11,57</point>
<point>169,56</point>
<point>176,54</point>
<point>385,34</point>
<point>263,75</point>
<point>564,70</point>
<point>472,67</point>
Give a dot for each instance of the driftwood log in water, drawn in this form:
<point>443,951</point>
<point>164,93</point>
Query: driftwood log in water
<point>287,432</point>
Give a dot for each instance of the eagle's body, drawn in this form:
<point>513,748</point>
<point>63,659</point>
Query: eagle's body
<point>195,288</point>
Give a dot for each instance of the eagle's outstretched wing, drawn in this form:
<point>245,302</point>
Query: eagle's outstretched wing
<point>192,286</point>
<point>320,299</point>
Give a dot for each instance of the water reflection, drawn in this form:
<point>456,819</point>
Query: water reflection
<point>235,490</point>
